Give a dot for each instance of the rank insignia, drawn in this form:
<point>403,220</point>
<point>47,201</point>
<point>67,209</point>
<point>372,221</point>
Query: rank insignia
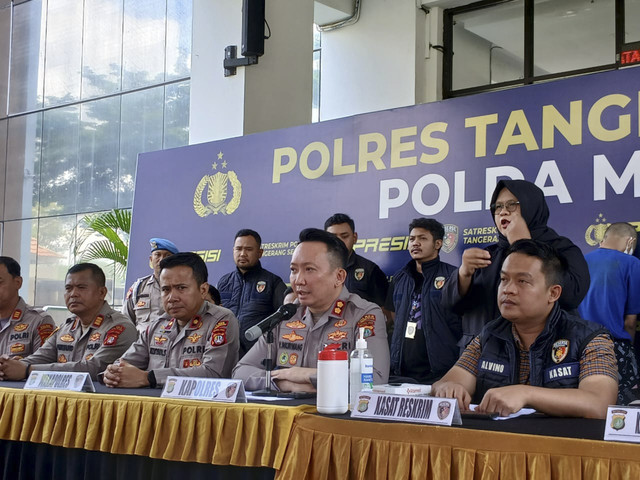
<point>438,283</point>
<point>284,358</point>
<point>293,336</point>
<point>160,340</point>
<point>218,339</point>
<point>297,324</point>
<point>340,323</point>
<point>196,323</point>
<point>94,337</point>
<point>45,330</point>
<point>67,338</point>
<point>17,348</point>
<point>20,327</point>
<point>194,362</point>
<point>293,359</point>
<point>359,274</point>
<point>169,324</point>
<point>89,357</point>
<point>62,359</point>
<point>98,321</point>
<point>337,308</point>
<point>337,335</point>
<point>260,286</point>
<point>16,314</point>
<point>559,350</point>
<point>141,303</point>
<point>112,335</point>
<point>194,337</point>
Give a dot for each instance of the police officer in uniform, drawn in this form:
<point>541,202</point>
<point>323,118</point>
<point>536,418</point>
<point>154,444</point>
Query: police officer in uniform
<point>363,276</point>
<point>327,314</point>
<point>144,302</point>
<point>23,329</point>
<point>250,292</point>
<point>89,340</point>
<point>535,354</point>
<point>194,338</point>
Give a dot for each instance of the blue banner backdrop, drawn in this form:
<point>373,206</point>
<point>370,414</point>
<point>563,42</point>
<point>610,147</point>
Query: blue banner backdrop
<point>578,139</point>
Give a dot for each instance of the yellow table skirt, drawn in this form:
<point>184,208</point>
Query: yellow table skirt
<point>179,430</point>
<point>326,448</point>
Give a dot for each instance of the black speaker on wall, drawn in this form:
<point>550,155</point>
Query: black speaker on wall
<point>252,28</point>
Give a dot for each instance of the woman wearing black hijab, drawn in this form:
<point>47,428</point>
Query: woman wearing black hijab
<point>519,211</point>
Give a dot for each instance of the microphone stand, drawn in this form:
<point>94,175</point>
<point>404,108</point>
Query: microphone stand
<point>268,365</point>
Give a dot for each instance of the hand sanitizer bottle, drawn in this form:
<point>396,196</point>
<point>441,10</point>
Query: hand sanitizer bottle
<point>360,370</point>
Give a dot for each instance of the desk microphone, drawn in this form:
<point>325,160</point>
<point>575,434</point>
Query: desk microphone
<point>285,312</point>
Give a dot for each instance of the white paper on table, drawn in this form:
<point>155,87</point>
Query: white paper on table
<point>519,413</point>
<point>267,399</point>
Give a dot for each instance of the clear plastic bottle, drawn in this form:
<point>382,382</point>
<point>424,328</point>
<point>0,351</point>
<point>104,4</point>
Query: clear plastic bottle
<point>360,370</point>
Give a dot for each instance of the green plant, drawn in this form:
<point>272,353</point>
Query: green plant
<point>105,236</point>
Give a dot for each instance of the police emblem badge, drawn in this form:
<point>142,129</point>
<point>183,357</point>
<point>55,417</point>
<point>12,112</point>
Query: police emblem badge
<point>617,419</point>
<point>293,336</point>
<point>17,348</point>
<point>260,286</point>
<point>94,337</point>
<point>293,359</point>
<point>67,338</point>
<point>295,324</point>
<point>284,358</point>
<point>340,323</point>
<point>359,273</point>
<point>363,403</point>
<point>337,335</point>
<point>217,187</point>
<point>559,350</point>
<point>450,239</point>
<point>438,283</point>
<point>20,327</point>
<point>443,410</point>
<point>194,337</point>
<point>62,359</point>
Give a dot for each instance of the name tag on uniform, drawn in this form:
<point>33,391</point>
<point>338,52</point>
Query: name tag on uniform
<point>210,389</point>
<point>623,423</point>
<point>410,332</point>
<point>71,381</point>
<point>408,408</point>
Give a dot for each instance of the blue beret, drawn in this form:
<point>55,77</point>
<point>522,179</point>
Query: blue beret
<point>163,244</point>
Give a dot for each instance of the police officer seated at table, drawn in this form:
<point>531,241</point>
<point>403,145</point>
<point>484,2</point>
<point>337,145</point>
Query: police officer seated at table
<point>89,340</point>
<point>23,329</point>
<point>144,300</point>
<point>327,314</point>
<point>535,354</point>
<point>193,338</point>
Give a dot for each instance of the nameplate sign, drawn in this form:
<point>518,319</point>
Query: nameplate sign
<point>408,408</point>
<point>623,424</point>
<point>71,381</point>
<point>210,389</point>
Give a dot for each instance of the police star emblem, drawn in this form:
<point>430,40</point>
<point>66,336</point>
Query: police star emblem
<point>215,189</point>
<point>559,350</point>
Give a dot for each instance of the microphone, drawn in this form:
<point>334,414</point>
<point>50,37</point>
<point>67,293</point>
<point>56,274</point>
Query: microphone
<point>285,312</point>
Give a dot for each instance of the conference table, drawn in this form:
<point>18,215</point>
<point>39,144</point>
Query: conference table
<point>137,434</point>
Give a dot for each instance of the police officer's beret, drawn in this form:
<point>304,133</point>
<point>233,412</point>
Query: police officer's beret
<point>163,244</point>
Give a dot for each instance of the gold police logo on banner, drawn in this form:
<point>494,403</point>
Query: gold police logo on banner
<point>595,232</point>
<point>217,189</point>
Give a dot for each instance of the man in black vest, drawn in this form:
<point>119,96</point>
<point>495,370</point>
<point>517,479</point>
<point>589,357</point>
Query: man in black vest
<point>535,354</point>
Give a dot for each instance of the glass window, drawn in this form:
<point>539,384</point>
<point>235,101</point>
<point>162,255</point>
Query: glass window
<point>3,163</point>
<point>315,106</point>
<point>24,140</point>
<point>176,115</point>
<point>102,49</point>
<point>5,41</point>
<point>63,52</point>
<point>631,24</point>
<point>178,39</point>
<point>488,45</point>
<point>592,39</point>
<point>54,249</point>
<point>143,43</point>
<point>59,170</point>
<point>98,166</point>
<point>27,58</point>
<point>19,243</point>
<point>140,131</point>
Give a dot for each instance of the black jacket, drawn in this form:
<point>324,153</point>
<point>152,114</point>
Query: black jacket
<point>480,305</point>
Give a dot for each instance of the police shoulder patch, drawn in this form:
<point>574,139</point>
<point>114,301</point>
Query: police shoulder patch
<point>559,350</point>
